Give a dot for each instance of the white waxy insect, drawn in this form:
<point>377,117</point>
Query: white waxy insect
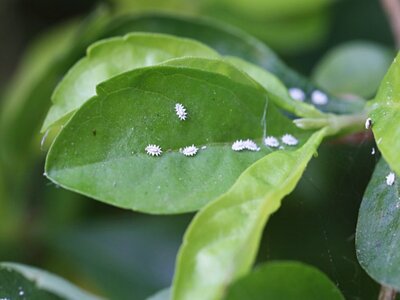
<point>153,150</point>
<point>204,148</point>
<point>390,178</point>
<point>297,94</point>
<point>180,111</point>
<point>271,141</point>
<point>289,140</point>
<point>250,145</point>
<point>372,151</point>
<point>190,150</point>
<point>368,123</point>
<point>319,98</point>
<point>238,145</point>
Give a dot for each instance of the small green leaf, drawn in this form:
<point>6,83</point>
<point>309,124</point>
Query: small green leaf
<point>353,68</point>
<point>101,151</point>
<point>221,243</point>
<point>377,238</point>
<point>385,115</point>
<point>284,280</point>
<point>111,57</point>
<point>23,282</point>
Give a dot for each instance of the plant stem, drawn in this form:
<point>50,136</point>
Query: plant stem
<point>387,293</point>
<point>336,123</point>
<point>392,10</point>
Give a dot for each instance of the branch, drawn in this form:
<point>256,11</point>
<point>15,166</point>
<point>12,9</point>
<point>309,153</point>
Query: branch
<point>392,10</point>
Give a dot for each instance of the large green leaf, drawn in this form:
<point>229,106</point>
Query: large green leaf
<point>385,115</point>
<point>284,280</point>
<point>227,40</point>
<point>111,57</point>
<point>377,238</point>
<point>101,151</point>
<point>353,68</point>
<point>221,243</point>
<point>23,282</point>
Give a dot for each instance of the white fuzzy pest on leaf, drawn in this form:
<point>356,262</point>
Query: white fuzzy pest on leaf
<point>271,141</point>
<point>153,150</point>
<point>297,94</point>
<point>290,140</point>
<point>390,178</point>
<point>180,111</point>
<point>319,98</point>
<point>250,145</point>
<point>190,150</point>
<point>368,123</point>
<point>238,145</point>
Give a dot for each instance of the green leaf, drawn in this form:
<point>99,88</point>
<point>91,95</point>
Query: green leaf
<point>385,115</point>
<point>20,281</point>
<point>284,280</point>
<point>353,68</point>
<point>229,41</point>
<point>377,239</point>
<point>101,151</point>
<point>111,57</point>
<point>221,243</point>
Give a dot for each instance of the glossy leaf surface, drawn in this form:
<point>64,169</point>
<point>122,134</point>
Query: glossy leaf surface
<point>284,280</point>
<point>23,282</point>
<point>111,57</point>
<point>377,238</point>
<point>221,243</point>
<point>101,151</point>
<point>385,115</point>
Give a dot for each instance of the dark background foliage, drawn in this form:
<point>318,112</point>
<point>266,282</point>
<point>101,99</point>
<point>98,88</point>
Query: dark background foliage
<point>120,254</point>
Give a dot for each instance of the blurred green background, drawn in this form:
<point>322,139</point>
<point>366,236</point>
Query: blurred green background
<point>125,255</point>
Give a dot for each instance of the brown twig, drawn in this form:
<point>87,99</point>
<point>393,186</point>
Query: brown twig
<point>392,10</point>
<point>387,293</point>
